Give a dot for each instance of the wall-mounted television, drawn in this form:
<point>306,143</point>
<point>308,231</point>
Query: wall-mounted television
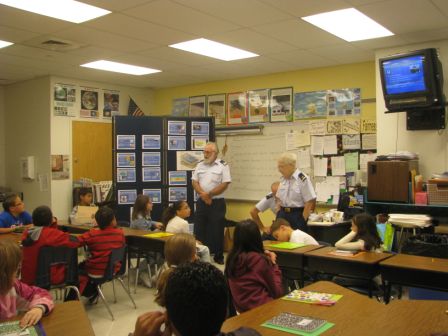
<point>412,80</point>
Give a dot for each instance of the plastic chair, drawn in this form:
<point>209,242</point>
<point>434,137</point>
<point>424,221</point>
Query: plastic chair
<point>50,256</point>
<point>117,255</point>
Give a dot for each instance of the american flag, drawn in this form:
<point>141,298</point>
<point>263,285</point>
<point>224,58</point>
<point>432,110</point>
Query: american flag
<point>133,109</point>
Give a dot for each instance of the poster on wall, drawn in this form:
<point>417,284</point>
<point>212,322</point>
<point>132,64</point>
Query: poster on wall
<point>216,108</point>
<point>151,174</point>
<point>177,127</point>
<point>236,108</point>
<point>64,100</point>
<point>258,101</point>
<point>127,196</point>
<point>310,104</point>
<point>150,141</point>
<point>187,160</point>
<point>180,107</point>
<point>281,104</point>
<point>344,102</point>
<point>111,103</point>
<point>197,106</point>
<point>155,195</point>
<point>60,167</point>
<point>177,194</point>
<point>89,103</point>
<point>125,159</point>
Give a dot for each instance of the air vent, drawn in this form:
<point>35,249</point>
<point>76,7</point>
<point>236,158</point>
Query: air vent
<point>59,45</point>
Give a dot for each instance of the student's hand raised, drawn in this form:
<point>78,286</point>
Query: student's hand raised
<point>31,317</point>
<point>149,324</point>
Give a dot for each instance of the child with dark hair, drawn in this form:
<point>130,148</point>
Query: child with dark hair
<point>100,243</point>
<point>85,198</point>
<point>196,304</point>
<point>44,233</point>
<point>174,219</point>
<point>254,278</point>
<point>282,231</point>
<point>16,296</point>
<point>141,214</point>
<point>14,214</point>
<point>363,235</point>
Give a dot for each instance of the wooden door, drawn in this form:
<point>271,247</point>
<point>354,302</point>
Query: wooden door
<point>92,150</point>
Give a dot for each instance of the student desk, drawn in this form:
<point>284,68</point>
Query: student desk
<point>67,319</point>
<point>17,237</point>
<point>415,271</point>
<point>291,259</point>
<point>364,265</point>
<point>354,314</point>
<point>329,233</point>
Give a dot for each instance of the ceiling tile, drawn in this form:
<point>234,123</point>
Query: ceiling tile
<point>141,60</point>
<point>179,56</point>
<point>344,54</point>
<point>116,5</point>
<point>427,35</point>
<point>237,11</point>
<point>170,14</point>
<point>302,59</point>
<point>442,5</point>
<point>15,35</point>
<point>138,29</point>
<point>300,8</point>
<point>379,43</point>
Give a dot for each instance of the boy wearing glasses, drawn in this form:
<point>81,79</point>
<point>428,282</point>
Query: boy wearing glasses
<point>14,214</point>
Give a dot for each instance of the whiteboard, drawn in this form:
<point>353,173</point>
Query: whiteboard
<point>253,159</point>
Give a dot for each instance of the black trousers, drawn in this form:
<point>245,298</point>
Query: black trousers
<point>209,222</point>
<point>295,218</point>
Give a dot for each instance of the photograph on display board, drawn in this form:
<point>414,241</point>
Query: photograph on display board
<point>89,103</point>
<point>180,107</point>
<point>310,105</point>
<point>281,104</point>
<point>217,108</point>
<point>151,174</point>
<point>177,178</point>
<point>125,159</point>
<point>258,101</point>
<point>126,175</point>
<point>127,196</point>
<point>155,195</point>
<point>187,160</point>
<point>150,141</point>
<point>236,108</point>
<point>177,143</point>
<point>111,103</point>
<point>150,159</point>
<point>177,194</point>
<point>200,128</point>
<point>198,142</point>
<point>177,127</point>
<point>60,167</point>
<point>342,102</point>
<point>197,106</point>
<point>126,142</point>
<point>64,100</point>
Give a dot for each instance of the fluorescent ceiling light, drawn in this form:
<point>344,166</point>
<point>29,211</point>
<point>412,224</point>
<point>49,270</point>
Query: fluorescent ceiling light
<point>67,10</point>
<point>120,67</point>
<point>348,24</point>
<point>4,44</point>
<point>213,49</point>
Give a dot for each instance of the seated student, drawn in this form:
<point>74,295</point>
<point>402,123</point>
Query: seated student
<point>85,198</point>
<point>16,296</point>
<point>196,305</point>
<point>267,202</point>
<point>173,218</point>
<point>253,276</point>
<point>179,249</point>
<point>281,230</point>
<point>100,243</point>
<point>141,215</point>
<point>363,235</point>
<point>14,214</point>
<point>44,233</point>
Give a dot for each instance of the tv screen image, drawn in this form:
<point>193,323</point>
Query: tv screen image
<point>404,75</point>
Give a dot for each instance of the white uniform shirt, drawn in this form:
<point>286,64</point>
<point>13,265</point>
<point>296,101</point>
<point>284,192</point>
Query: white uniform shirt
<point>177,225</point>
<point>268,202</point>
<point>295,191</point>
<point>300,237</point>
<point>210,176</point>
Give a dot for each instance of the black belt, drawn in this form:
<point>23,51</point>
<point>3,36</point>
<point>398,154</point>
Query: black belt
<point>289,209</point>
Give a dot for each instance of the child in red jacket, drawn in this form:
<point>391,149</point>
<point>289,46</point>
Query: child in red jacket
<point>44,233</point>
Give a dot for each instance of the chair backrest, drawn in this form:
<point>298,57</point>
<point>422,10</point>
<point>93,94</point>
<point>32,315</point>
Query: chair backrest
<point>123,223</point>
<point>50,256</point>
<point>117,255</point>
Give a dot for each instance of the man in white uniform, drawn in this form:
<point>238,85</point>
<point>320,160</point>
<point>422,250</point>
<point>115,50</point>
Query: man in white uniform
<point>267,202</point>
<point>210,179</point>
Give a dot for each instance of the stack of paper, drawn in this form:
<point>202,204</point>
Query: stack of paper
<point>410,220</point>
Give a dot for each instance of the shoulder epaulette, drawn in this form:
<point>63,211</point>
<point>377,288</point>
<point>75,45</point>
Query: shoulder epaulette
<point>223,162</point>
<point>270,195</point>
<point>302,177</point>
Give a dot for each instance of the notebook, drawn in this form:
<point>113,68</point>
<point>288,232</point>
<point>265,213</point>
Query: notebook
<point>285,245</point>
<point>298,325</point>
<point>158,234</point>
<point>13,329</point>
<point>311,297</point>
<point>85,215</point>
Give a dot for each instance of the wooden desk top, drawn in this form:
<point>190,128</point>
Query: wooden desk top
<point>299,250</point>
<point>13,236</point>
<point>417,262</point>
<point>362,257</point>
<point>353,314</point>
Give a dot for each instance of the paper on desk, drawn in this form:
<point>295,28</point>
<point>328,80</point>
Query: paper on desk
<point>364,159</point>
<point>304,158</point>
<point>317,127</point>
<point>351,141</point>
<point>320,166</point>
<point>369,141</point>
<point>337,165</point>
<point>351,162</point>
<point>317,145</point>
<point>330,144</point>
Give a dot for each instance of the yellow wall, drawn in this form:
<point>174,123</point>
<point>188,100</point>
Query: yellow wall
<point>360,75</point>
